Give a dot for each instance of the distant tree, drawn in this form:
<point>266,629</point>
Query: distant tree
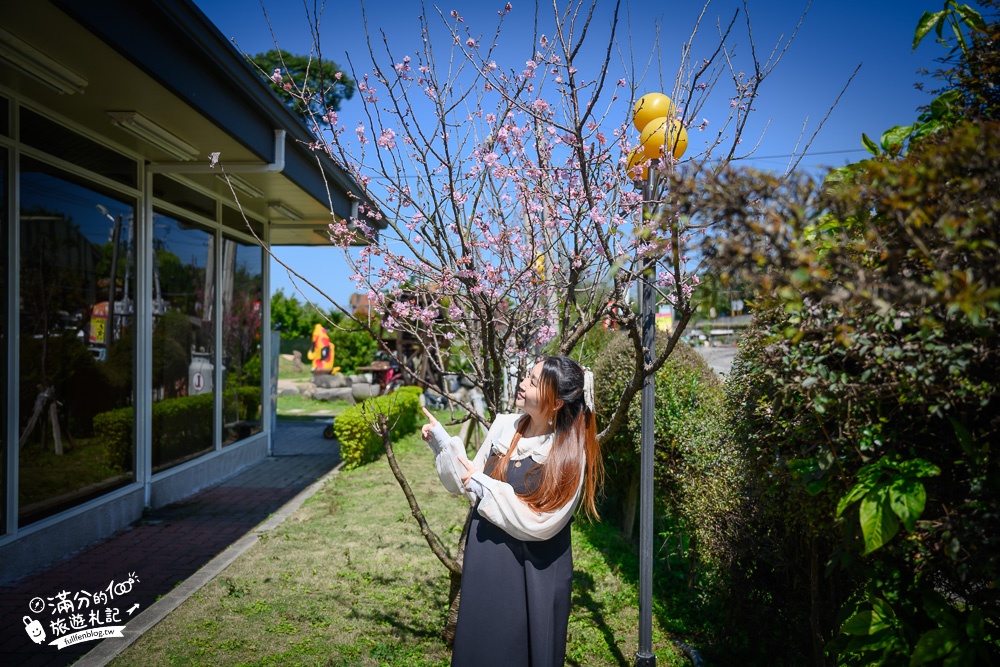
<point>306,84</point>
<point>353,346</point>
<point>289,316</point>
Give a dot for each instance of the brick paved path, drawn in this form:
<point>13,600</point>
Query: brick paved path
<point>167,546</point>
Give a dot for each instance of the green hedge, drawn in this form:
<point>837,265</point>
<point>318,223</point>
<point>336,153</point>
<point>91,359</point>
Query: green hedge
<point>688,399</point>
<point>189,418</point>
<point>359,444</point>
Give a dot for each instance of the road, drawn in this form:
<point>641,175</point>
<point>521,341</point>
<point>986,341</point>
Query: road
<point>719,359</point>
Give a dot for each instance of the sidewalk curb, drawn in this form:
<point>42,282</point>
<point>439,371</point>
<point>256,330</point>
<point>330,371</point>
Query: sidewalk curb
<point>110,648</point>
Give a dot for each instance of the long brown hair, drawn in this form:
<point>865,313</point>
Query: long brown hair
<point>575,450</point>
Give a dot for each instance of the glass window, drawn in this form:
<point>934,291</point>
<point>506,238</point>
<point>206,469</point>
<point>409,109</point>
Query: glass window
<point>4,117</point>
<point>4,236</point>
<point>76,349</point>
<point>233,219</point>
<point>54,139</point>
<point>183,342</point>
<point>178,194</point>
<point>242,293</point>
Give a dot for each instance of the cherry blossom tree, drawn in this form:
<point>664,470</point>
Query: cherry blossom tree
<point>505,219</point>
<point>503,190</point>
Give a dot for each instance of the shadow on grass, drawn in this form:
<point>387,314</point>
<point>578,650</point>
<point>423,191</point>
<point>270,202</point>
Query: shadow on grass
<point>674,606</point>
<point>405,628</point>
<point>583,587</point>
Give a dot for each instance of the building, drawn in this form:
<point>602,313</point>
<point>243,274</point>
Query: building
<point>137,353</point>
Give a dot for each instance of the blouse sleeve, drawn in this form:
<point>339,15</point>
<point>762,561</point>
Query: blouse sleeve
<point>447,449</point>
<point>501,507</point>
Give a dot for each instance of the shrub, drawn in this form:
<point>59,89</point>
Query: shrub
<point>688,401</point>
<point>180,422</point>
<point>359,444</point>
<point>249,403</point>
<point>115,428</point>
<point>864,416</point>
<point>172,338</point>
<point>190,419</point>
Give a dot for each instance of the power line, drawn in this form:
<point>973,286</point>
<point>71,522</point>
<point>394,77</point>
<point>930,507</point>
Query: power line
<point>808,154</point>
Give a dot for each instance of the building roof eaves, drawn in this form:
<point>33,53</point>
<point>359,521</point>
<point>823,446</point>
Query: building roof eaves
<point>176,43</point>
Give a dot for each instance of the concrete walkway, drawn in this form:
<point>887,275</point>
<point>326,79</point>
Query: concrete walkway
<point>168,554</point>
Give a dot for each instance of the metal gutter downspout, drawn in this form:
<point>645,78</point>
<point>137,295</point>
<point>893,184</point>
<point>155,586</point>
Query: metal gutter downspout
<point>233,167</point>
<point>144,385</point>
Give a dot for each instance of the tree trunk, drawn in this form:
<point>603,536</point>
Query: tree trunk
<point>56,431</point>
<point>454,597</point>
<point>40,402</point>
<point>454,565</point>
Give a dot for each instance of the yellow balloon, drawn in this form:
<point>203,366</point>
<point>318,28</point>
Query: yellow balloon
<point>650,106</point>
<point>661,135</point>
<point>635,158</point>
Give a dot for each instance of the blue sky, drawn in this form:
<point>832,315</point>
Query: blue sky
<point>836,37</point>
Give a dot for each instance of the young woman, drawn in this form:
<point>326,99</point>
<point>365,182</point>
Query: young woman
<point>526,481</point>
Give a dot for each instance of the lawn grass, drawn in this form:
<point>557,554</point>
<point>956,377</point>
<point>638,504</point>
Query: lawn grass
<point>286,369</point>
<point>348,580</point>
<point>291,406</point>
<point>297,406</point>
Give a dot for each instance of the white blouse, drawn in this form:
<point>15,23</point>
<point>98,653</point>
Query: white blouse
<point>499,504</point>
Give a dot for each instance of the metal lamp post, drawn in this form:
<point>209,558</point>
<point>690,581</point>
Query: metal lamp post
<point>655,117</point>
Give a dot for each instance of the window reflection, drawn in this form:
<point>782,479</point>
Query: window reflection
<point>242,292</point>
<point>4,236</point>
<point>76,347</point>
<point>183,342</point>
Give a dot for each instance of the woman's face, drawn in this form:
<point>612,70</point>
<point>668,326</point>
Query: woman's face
<point>529,394</point>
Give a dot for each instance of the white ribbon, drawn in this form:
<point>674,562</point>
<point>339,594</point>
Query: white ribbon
<point>588,388</point>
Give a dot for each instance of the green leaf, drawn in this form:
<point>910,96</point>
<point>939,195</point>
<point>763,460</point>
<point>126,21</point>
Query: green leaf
<point>872,628</point>
<point>878,522</point>
<point>801,276</point>
<point>975,627</point>
<point>859,491</point>
<point>895,136</point>
<point>817,486</point>
<point>933,645</point>
<point>963,436</point>
<point>942,105</point>
<point>882,609</point>
<point>869,145</point>
<point>859,625</point>
<point>838,175</point>
<point>972,17</point>
<point>956,29</point>
<point>925,24</point>
<point>907,498</point>
<point>962,656</point>
<point>803,467</point>
<point>918,468</point>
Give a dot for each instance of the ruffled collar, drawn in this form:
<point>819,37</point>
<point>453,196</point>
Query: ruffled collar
<point>536,448</point>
